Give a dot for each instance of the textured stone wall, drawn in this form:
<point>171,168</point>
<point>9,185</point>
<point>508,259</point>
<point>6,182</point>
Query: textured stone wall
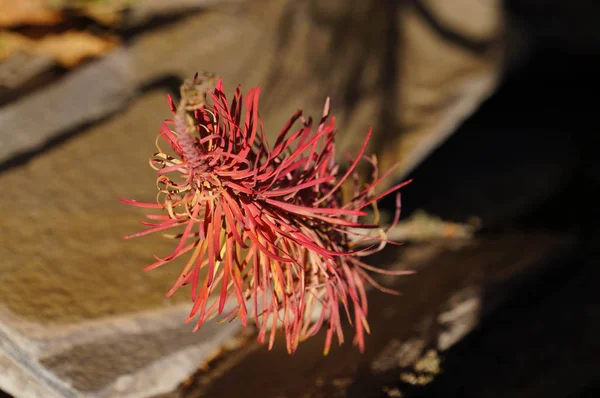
<point>77,314</point>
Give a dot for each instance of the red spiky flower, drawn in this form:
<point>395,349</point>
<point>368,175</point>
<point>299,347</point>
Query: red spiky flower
<point>266,228</point>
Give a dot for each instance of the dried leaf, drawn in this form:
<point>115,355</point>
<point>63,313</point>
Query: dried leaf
<point>30,12</point>
<point>66,49</point>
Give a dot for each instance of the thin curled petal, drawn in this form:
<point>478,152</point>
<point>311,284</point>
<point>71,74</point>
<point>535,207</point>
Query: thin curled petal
<point>264,227</point>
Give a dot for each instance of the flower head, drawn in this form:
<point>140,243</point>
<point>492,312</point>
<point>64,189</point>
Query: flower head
<point>266,230</point>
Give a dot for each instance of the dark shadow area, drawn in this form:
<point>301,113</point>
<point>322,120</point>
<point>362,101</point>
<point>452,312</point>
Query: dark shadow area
<point>528,159</point>
<point>125,28</point>
<point>70,22</point>
<point>531,140</point>
<point>129,32</point>
<point>571,26</point>
<point>543,343</point>
<point>506,353</point>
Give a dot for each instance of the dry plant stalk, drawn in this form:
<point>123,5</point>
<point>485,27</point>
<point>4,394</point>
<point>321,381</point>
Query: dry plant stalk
<point>266,229</point>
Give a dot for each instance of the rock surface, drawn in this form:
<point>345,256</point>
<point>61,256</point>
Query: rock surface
<point>77,311</point>
<point>87,95</point>
<point>457,286</point>
<point>77,315</point>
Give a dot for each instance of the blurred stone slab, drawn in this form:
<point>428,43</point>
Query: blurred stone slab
<point>77,313</point>
<point>84,96</point>
<point>388,67</point>
<point>399,72</point>
<point>142,354</point>
<point>74,300</point>
<point>21,69</point>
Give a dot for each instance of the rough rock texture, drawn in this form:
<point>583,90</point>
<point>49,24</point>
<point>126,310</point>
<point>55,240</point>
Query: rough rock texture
<point>77,315</point>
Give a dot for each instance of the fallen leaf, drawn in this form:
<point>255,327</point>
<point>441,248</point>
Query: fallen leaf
<point>28,12</point>
<point>67,49</point>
